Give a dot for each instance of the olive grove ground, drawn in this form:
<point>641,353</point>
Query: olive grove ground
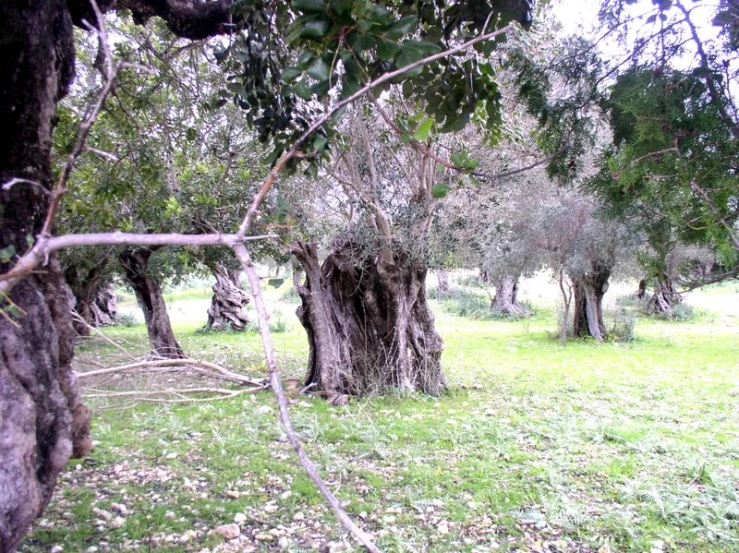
<point>536,447</point>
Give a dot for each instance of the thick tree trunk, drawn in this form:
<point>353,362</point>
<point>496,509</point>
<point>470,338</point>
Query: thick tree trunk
<point>149,295</point>
<point>664,297</point>
<point>94,299</point>
<point>588,302</point>
<point>228,305</point>
<point>505,300</point>
<point>368,323</point>
<point>42,422</point>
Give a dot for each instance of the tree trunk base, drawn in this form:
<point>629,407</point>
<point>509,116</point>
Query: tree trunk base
<point>369,326</point>
<point>505,301</point>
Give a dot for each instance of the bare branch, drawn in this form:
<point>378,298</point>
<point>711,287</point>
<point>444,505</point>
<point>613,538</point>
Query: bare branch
<point>276,383</point>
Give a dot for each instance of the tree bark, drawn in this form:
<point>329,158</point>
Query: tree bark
<point>588,302</point>
<point>443,281</point>
<point>94,299</point>
<point>368,323</point>
<point>664,297</point>
<point>42,422</point>
<point>135,265</point>
<point>228,305</point>
<point>505,300</point>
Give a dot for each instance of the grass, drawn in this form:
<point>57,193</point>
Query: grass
<point>535,447</point>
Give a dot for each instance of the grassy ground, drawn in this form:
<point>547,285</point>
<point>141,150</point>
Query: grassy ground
<point>536,447</point>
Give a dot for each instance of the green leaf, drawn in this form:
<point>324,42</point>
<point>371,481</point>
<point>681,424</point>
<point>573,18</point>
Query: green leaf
<point>309,6</point>
<point>303,90</point>
<point>191,134</point>
<point>423,130</point>
<point>289,74</point>
<point>412,51</point>
<point>319,70</point>
<point>30,239</point>
<point>387,49</point>
<point>439,190</point>
<point>315,28</point>
<point>340,7</point>
<point>6,254</point>
<point>401,27</point>
<point>350,85</point>
<point>276,282</point>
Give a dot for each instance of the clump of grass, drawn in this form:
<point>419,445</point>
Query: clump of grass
<point>127,319</point>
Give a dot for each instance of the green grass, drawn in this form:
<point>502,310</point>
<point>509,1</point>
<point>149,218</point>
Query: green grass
<point>631,445</point>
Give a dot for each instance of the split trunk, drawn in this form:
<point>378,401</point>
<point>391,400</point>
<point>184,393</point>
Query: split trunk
<point>369,325</point>
<point>588,302</point>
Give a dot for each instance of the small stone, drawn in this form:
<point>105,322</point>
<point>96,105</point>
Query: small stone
<point>270,508</point>
<point>363,515</point>
<point>390,519</point>
<point>57,549</point>
<point>443,528</point>
<point>487,522</point>
<point>494,545</point>
<point>169,515</point>
<point>264,537</point>
<point>120,508</point>
<point>233,494</point>
<point>91,549</point>
<point>239,518</point>
<point>105,515</point>
<point>275,532</point>
<point>300,516</point>
<point>228,531</point>
<point>117,522</point>
<point>188,536</point>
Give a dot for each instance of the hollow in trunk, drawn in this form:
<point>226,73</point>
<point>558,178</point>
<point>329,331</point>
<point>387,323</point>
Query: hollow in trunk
<point>135,264</point>
<point>368,322</point>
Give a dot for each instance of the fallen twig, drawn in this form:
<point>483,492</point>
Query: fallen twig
<point>203,366</point>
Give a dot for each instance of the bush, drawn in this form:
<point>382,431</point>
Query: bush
<point>127,319</point>
<point>620,324</point>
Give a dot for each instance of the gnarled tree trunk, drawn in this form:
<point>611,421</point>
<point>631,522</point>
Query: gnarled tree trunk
<point>368,323</point>
<point>149,295</point>
<point>505,300</point>
<point>664,297</point>
<point>94,299</point>
<point>228,305</point>
<point>588,302</point>
<point>42,422</point>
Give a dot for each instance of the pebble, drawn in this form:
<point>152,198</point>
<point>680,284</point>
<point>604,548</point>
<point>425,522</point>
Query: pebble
<point>443,528</point>
<point>239,518</point>
<point>228,531</point>
<point>57,549</point>
<point>117,522</point>
<point>169,515</point>
<point>300,516</point>
<point>233,494</point>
